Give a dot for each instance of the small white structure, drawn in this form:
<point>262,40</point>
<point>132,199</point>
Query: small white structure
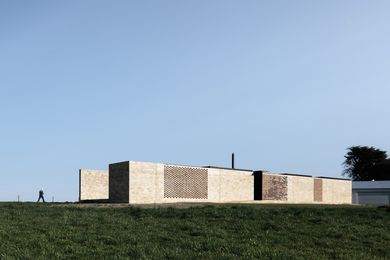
<point>371,192</point>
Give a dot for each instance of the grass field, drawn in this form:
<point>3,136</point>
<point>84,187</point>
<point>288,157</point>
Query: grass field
<point>51,231</point>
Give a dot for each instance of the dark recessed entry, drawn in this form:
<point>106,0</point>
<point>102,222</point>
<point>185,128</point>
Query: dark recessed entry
<point>258,185</point>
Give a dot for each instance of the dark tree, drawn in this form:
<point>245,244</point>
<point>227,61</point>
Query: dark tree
<point>381,170</point>
<point>361,162</point>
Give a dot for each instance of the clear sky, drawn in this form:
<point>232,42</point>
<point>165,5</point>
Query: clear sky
<point>286,85</point>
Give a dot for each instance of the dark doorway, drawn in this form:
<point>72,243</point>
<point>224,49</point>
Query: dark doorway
<point>258,184</point>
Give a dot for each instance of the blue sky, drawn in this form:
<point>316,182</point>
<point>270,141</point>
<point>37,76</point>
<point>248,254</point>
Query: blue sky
<point>286,85</point>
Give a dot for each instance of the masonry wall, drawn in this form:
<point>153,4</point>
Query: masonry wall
<point>302,189</point>
<point>230,185</point>
<point>144,183</point>
<point>275,187</point>
<point>164,183</point>
<point>336,191</point>
<point>93,185</point>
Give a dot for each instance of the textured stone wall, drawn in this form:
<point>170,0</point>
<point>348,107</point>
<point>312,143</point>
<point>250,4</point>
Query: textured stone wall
<point>93,185</point>
<point>274,187</point>
<point>142,182</point>
<point>336,191</point>
<point>144,186</point>
<point>119,182</point>
<point>302,189</point>
<point>299,189</point>
<point>148,184</point>
<point>317,196</point>
<point>235,185</point>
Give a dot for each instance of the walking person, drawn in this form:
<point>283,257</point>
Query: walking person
<point>41,196</point>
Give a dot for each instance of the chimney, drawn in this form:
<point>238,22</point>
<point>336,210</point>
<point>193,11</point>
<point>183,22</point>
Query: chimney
<point>232,160</point>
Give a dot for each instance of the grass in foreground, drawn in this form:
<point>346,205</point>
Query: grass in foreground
<point>47,231</point>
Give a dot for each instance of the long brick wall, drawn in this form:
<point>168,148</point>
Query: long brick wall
<point>305,189</point>
<point>143,182</point>
<point>165,183</point>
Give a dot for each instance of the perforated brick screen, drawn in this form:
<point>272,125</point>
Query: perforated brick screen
<point>185,182</point>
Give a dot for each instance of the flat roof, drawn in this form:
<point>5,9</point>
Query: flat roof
<point>309,176</point>
<point>226,168</point>
<point>294,174</point>
<point>334,178</point>
<point>371,184</point>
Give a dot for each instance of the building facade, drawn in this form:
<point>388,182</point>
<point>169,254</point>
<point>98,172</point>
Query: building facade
<point>371,192</point>
<point>144,183</point>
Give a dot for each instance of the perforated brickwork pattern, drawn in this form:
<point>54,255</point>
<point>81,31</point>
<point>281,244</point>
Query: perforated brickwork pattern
<point>185,182</point>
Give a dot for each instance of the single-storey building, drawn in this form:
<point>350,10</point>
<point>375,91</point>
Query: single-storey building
<point>371,192</point>
<point>144,182</point>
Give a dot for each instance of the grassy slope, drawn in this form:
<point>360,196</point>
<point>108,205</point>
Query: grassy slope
<point>249,231</point>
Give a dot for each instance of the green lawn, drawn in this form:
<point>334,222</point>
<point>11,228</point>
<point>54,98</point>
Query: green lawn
<point>30,230</point>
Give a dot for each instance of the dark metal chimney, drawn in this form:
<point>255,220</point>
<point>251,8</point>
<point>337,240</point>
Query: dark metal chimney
<point>232,160</point>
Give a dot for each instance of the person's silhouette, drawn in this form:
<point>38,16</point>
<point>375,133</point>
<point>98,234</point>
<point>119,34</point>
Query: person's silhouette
<point>41,196</point>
